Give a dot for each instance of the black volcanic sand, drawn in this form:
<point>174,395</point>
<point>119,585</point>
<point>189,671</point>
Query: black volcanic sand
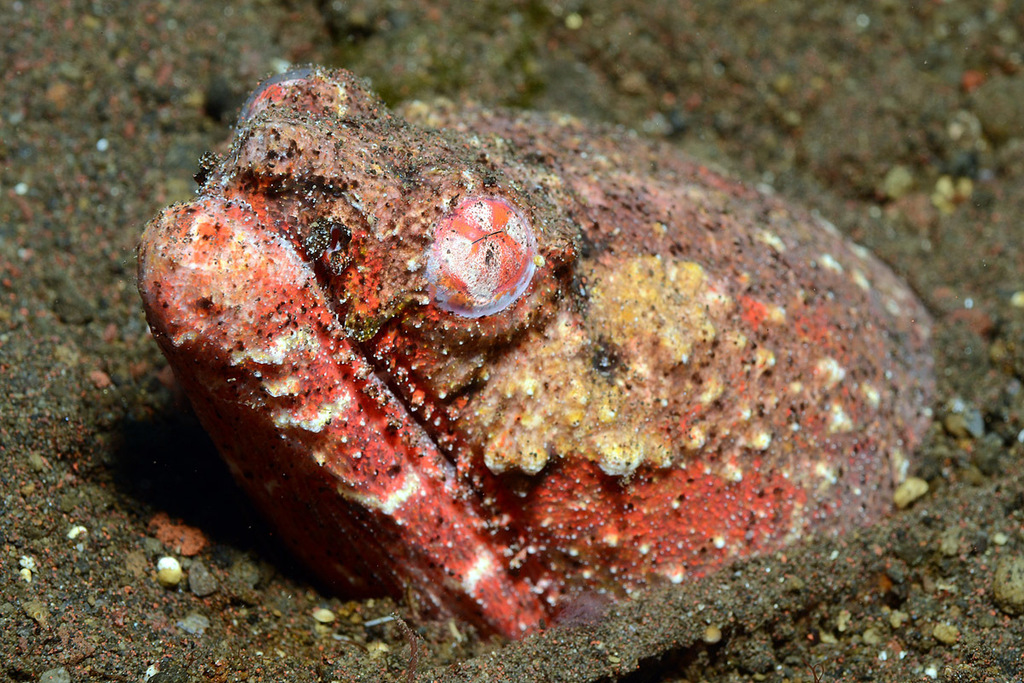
<point>902,125</point>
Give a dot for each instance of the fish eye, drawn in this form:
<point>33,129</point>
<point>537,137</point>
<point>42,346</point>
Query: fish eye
<point>483,257</point>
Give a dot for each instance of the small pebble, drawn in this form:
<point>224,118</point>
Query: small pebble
<point>194,623</point>
<point>152,546</point>
<point>949,542</point>
<point>37,611</point>
<point>871,636</point>
<point>200,581</point>
<point>897,618</point>
<point>843,620</point>
<point>246,573</point>
<point>955,425</point>
<point>169,673</point>
<point>909,491</point>
<point>323,615</point>
<point>969,423</point>
<point>949,192</point>
<point>59,675</point>
<point>377,649</point>
<point>38,463</point>
<point>997,104</point>
<point>946,633</point>
<point>1008,585</point>
<point>28,565</point>
<point>168,572</point>
<point>897,182</point>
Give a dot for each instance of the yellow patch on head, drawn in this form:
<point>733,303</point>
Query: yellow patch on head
<point>645,296</point>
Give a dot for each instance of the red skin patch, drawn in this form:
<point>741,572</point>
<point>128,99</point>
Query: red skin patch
<point>754,312</point>
<point>363,311</point>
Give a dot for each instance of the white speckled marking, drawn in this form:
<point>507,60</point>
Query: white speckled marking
<point>839,421</point>
<point>829,262</point>
<point>615,458</point>
<point>764,358</point>
<point>776,314</point>
<point>694,437</point>
<point>409,488</point>
<point>389,504</point>
<point>732,472</point>
<point>862,253</point>
<point>760,441</point>
<point>713,389</point>
<point>675,575</point>
<point>870,394</point>
<point>282,347</point>
<point>482,568</point>
<point>830,371</point>
<point>283,386</point>
<point>314,423</point>
<point>186,335</point>
<point>860,279</point>
<point>772,240</point>
<point>826,472</point>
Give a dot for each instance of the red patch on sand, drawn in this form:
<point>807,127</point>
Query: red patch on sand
<point>178,537</point>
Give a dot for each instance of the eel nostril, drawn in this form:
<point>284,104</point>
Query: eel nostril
<point>328,239</point>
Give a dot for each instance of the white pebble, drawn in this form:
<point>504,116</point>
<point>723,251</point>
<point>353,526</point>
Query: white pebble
<point>168,572</point>
<point>323,615</point>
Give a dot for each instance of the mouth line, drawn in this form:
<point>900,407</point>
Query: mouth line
<point>430,416</point>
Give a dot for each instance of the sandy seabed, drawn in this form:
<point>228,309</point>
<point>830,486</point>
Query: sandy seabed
<point>901,124</point>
